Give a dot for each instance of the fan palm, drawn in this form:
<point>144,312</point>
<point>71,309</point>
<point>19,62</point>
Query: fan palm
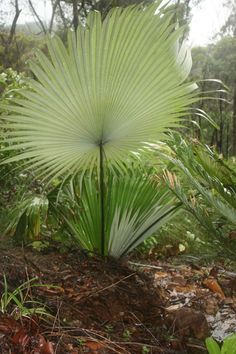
<point>118,86</point>
<point>135,205</point>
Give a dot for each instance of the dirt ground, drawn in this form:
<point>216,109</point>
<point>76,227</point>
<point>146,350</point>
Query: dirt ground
<point>101,306</point>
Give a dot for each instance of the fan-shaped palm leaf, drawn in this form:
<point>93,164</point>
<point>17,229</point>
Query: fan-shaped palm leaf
<point>27,217</point>
<point>135,206</point>
<point>118,85</point>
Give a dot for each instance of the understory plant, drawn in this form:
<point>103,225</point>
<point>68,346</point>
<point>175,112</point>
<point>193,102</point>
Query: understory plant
<point>11,179</point>
<point>93,109</point>
<point>209,178</point>
<point>18,302</point>
<point>135,205</point>
<point>228,346</point>
<point>26,218</point>
<point>205,184</point>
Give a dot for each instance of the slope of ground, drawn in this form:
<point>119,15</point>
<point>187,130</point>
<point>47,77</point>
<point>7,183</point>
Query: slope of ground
<point>100,306</point>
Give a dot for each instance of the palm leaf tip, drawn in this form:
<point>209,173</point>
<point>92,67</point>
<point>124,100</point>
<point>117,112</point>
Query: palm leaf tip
<point>120,82</point>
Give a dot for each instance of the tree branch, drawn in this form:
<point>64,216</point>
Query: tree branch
<point>12,32</point>
<point>37,16</point>
<point>62,16</point>
<point>54,7</point>
<point>14,22</point>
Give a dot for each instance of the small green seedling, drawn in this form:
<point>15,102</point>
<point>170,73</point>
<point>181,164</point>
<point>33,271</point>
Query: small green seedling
<point>145,350</point>
<point>126,335</point>
<point>109,328</point>
<point>18,299</point>
<point>228,346</point>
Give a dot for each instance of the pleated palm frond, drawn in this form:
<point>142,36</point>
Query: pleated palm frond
<point>136,206</point>
<point>27,217</point>
<point>118,85</point>
<point>207,174</point>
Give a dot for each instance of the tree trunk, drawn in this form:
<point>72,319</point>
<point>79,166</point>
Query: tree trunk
<point>227,139</point>
<point>234,121</point>
<point>54,7</point>
<point>75,15</point>
<point>62,16</point>
<point>40,22</point>
<point>186,18</point>
<point>220,141</point>
<point>11,34</point>
<point>213,138</point>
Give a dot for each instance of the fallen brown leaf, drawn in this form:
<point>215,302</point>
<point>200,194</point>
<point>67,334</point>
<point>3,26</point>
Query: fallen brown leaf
<point>47,348</point>
<point>214,286</point>
<point>21,338</point>
<point>94,345</point>
<point>211,306</point>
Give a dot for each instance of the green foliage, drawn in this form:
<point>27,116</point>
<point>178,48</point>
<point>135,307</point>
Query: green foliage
<point>18,301</point>
<point>209,175</point>
<point>182,235</point>
<point>206,187</point>
<point>145,350</point>
<point>216,61</point>
<point>136,205</point>
<point>19,214</point>
<point>228,346</point>
<point>212,346</point>
<point>90,114</point>
<point>127,334</point>
<point>224,59</point>
<point>84,99</point>
<point>10,82</point>
<point>19,52</point>
<point>26,219</point>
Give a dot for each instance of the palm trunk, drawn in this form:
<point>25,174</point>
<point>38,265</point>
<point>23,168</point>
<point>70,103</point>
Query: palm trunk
<point>102,199</point>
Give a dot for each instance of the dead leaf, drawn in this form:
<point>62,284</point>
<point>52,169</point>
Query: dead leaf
<point>173,308</point>
<point>179,279</point>
<point>21,338</point>
<point>161,275</point>
<point>52,291</point>
<point>228,301</point>
<point>214,272</point>
<point>47,348</point>
<point>211,306</point>
<point>182,289</point>
<point>232,235</point>
<point>214,286</point>
<point>42,341</point>
<point>94,345</point>
<point>8,324</point>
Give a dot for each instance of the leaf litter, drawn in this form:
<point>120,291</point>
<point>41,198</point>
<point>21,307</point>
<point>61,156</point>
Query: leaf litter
<point>100,306</point>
